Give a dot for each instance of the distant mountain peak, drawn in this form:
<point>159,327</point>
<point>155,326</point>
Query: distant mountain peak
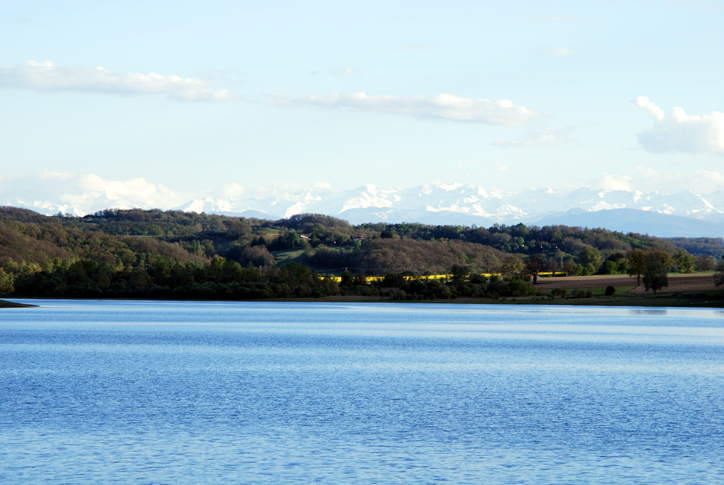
<point>455,202</point>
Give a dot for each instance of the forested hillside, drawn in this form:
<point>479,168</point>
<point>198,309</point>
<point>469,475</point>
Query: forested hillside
<point>131,252</point>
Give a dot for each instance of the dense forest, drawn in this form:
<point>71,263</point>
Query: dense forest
<point>152,253</point>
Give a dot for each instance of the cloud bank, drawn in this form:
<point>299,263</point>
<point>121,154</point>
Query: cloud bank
<point>46,76</point>
<point>680,132</point>
<point>84,194</point>
<point>442,106</point>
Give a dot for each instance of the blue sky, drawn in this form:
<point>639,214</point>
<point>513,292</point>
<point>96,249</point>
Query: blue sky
<point>268,96</point>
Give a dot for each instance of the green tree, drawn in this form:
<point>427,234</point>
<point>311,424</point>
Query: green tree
<point>705,263</point>
<point>196,247</point>
<point>534,265</point>
<point>360,279</point>
<point>637,262</point>
<point>590,255</point>
<point>257,255</point>
<point>661,256</point>
<point>512,265</point>
<point>719,275</point>
<point>609,267</point>
<point>105,277</point>
<point>347,278</point>
<point>684,261</point>
<point>140,278</point>
<point>571,267</point>
<point>459,273</point>
<point>655,276</point>
<point>6,282</point>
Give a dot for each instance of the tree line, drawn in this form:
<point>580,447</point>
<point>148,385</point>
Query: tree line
<point>129,252</point>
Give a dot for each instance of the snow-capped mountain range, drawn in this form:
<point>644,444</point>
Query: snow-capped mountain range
<point>470,200</point>
<point>458,203</point>
<point>454,203</point>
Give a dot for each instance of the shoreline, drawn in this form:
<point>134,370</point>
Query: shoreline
<point>679,300</point>
<point>12,304</point>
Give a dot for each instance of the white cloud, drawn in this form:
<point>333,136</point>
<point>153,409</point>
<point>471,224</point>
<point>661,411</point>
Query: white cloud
<point>232,190</point>
<point>681,132</point>
<point>615,182</point>
<point>699,181</point>
<point>649,180</point>
<point>442,106</point>
<point>46,76</point>
<point>85,194</point>
<point>559,51</point>
<point>646,105</point>
<point>124,193</point>
<point>547,137</point>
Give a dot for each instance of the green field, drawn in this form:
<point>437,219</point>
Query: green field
<point>300,256</point>
<point>265,231</point>
<point>289,255</point>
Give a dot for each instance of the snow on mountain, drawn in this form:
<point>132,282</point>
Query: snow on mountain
<point>207,204</point>
<point>452,203</point>
<point>43,207</point>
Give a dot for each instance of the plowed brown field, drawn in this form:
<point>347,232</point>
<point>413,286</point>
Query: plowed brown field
<point>677,282</point>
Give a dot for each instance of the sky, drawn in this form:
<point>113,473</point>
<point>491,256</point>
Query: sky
<point>187,98</point>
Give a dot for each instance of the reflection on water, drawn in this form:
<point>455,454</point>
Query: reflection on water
<point>647,311</point>
<point>344,393</point>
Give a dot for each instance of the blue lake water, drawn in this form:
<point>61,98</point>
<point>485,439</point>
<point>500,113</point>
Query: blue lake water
<point>186,392</point>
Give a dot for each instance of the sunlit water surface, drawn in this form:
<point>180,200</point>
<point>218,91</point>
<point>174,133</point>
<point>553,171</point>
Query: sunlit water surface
<point>169,392</point>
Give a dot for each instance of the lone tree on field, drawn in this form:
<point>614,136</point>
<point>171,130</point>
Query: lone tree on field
<point>534,265</point>
<point>637,262</point>
<point>656,276</point>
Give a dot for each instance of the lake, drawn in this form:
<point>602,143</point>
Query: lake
<point>189,392</point>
